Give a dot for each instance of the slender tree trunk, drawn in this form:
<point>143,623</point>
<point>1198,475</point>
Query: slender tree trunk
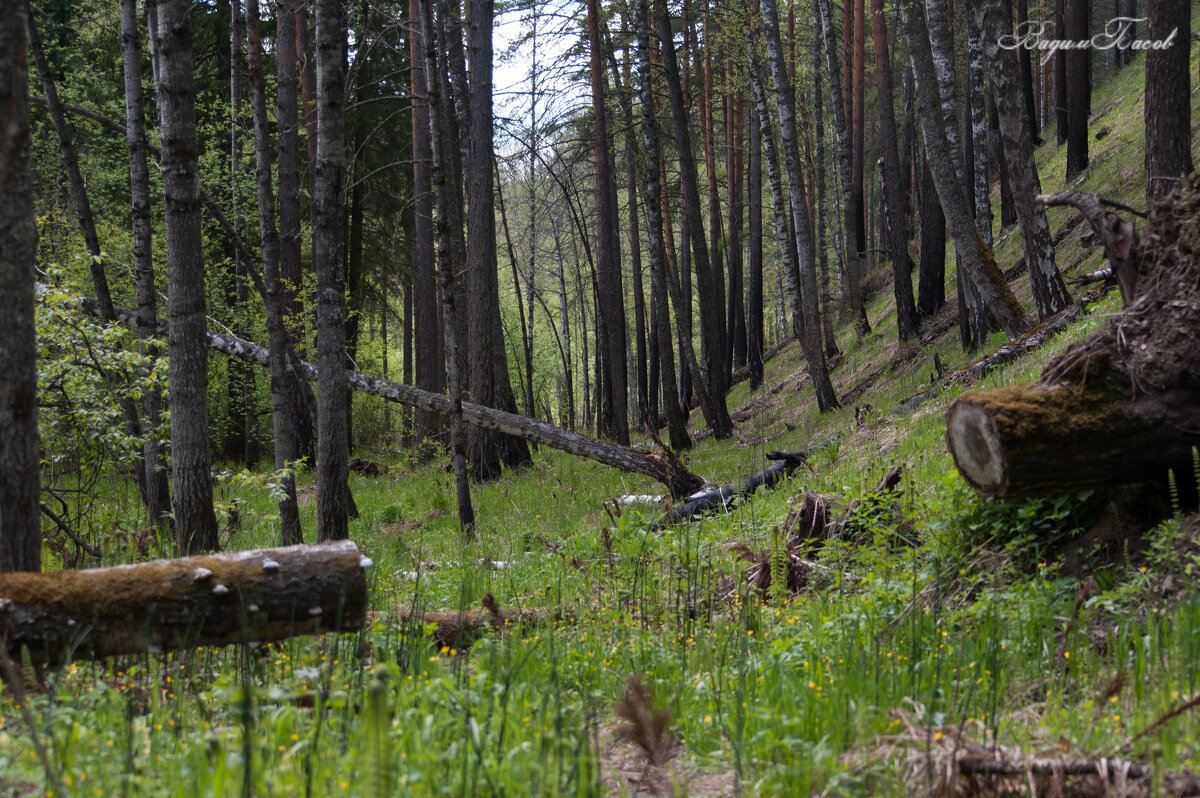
<point>858,128</point>
<point>656,247</point>
<point>1078,89</point>
<point>718,368</point>
<point>942,156</point>
<point>1061,116</point>
<point>906,310</point>
<point>353,257</point>
<point>931,271</point>
<point>20,518</point>
<point>979,130</point>
<point>329,202</point>
<point>831,347</point>
<point>713,405</point>
<point>440,142</point>
<point>852,300</point>
<point>735,328</point>
<point>289,213</point>
<point>1168,98</point>
<point>282,419</point>
<point>564,321</point>
<point>195,523</point>
<point>158,497</point>
<point>1049,290</point>
<point>754,322</point>
<point>1026,66</point>
<point>826,398</point>
<point>428,334</point>
<point>610,297</point>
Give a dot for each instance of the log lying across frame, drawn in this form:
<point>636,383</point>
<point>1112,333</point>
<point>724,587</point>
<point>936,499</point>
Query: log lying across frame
<point>164,605</point>
<point>662,467</point>
<point>786,464</point>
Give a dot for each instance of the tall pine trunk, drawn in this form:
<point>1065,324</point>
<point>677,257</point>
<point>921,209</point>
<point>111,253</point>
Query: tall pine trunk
<point>195,523</point>
<point>20,517</point>
<point>1168,98</point>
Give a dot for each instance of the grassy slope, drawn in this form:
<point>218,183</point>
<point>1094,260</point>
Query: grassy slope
<point>943,608</point>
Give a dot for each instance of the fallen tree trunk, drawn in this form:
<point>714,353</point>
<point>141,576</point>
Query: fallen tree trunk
<point>1123,404</point>
<point>721,498</point>
<point>664,467</point>
<point>163,605</point>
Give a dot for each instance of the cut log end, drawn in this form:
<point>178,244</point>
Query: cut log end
<point>977,448</point>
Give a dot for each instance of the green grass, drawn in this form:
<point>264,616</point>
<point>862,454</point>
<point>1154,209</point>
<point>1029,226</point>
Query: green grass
<point>940,605</point>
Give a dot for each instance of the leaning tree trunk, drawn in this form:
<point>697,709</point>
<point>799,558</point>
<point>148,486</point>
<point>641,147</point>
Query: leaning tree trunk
<point>195,523</point>
<point>826,398</point>
<point>167,605</point>
<point>1049,290</point>
<point>20,520</point>
<point>978,262</point>
<point>1122,405</point>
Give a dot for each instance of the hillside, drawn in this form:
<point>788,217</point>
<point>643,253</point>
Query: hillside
<point>933,626</point>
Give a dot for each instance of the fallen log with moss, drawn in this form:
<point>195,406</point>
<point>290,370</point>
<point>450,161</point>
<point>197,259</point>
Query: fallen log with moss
<point>1119,406</point>
<point>164,605</point>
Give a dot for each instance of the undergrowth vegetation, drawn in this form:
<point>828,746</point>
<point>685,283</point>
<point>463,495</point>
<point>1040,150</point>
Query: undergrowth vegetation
<point>933,610</point>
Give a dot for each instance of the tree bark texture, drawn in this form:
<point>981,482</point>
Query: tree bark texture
<point>1078,86</point>
<point>826,398</point>
<point>942,157</point>
<point>754,304</point>
<point>656,248</point>
<point>427,325</point>
<point>1123,404</point>
<point>1168,98</point>
<point>167,605</point>
<point>195,523</point>
<point>282,420</point>
<point>487,362</point>
<point>329,202</point>
<point>853,264</point>
<point>716,413</point>
<point>611,299</point>
<point>158,497</point>
<point>902,265</point>
<point>20,518</point>
<point>931,270</point>
<point>822,205</point>
<point>1049,290</point>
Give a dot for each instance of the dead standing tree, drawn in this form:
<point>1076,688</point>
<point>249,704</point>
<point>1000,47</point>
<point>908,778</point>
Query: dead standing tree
<point>1123,404</point>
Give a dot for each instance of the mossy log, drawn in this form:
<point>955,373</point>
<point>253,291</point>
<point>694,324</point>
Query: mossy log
<point>1119,406</point>
<point>206,600</point>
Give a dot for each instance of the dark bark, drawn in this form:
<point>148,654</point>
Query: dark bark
<point>427,324</point>
<point>1062,120</point>
<point>1078,89</point>
<point>1168,98</point>
<point>487,362</point>
<point>449,257</point>
<point>724,497</point>
<point>283,422</point>
<point>754,320</point>
<point>852,301</point>
<point>195,523</point>
<point>718,369</point>
<point>610,297</point>
<point>716,413</point>
<point>167,605</point>
<point>1049,291</point>
<point>158,497</point>
<point>354,290</point>
<point>290,265</point>
<point>656,249</point>
<point>857,127</point>
<point>906,310</point>
<point>735,327</point>
<point>329,203</point>
<point>980,265</point>
<point>831,347</point>
<point>20,519</point>
<point>1008,210</point>
<point>1025,60</point>
<point>826,398</point>
<point>931,270</point>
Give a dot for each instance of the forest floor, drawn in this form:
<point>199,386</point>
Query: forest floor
<point>935,629</point>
